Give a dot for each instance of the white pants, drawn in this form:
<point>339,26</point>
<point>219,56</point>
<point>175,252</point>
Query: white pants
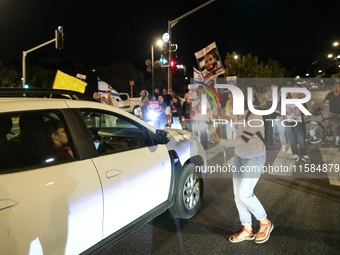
<point>176,123</point>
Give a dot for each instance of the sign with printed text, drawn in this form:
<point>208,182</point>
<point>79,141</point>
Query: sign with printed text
<point>153,104</point>
<point>209,61</point>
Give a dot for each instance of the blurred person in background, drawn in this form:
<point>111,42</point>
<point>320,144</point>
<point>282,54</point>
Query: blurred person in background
<point>186,110</point>
<point>144,104</point>
<point>110,120</point>
<point>176,110</point>
<point>160,120</point>
<point>334,110</point>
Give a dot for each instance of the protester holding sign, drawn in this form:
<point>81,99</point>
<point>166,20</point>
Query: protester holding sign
<point>250,152</point>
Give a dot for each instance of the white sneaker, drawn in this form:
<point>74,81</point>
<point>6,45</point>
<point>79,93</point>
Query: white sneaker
<point>306,158</point>
<point>295,157</point>
<point>284,148</point>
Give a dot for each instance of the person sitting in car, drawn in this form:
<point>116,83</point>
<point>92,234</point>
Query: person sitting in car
<point>58,140</point>
<point>7,148</point>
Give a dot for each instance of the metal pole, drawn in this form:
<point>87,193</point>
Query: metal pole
<point>131,91</point>
<point>23,68</point>
<point>192,11</point>
<point>152,69</point>
<point>171,24</point>
<point>24,53</point>
<point>169,69</point>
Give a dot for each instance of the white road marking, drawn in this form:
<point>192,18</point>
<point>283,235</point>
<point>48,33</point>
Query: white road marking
<point>283,159</point>
<point>216,150</point>
<point>331,156</point>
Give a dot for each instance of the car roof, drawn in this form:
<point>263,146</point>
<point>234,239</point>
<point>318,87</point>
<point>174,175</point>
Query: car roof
<point>14,104</point>
<point>21,104</point>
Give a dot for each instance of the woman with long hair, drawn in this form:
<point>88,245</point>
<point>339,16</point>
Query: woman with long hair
<point>144,104</point>
<point>250,153</point>
<point>186,110</point>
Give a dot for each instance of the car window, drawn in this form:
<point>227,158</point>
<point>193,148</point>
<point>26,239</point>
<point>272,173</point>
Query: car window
<point>33,138</point>
<point>112,134</point>
<point>123,97</point>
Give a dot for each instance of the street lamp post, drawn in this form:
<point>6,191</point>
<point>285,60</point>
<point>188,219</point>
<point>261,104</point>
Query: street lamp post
<point>171,24</point>
<point>336,44</point>
<point>152,70</point>
<point>57,40</point>
<point>24,54</point>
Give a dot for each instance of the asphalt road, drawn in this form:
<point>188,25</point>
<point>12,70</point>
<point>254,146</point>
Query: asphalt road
<point>305,212</point>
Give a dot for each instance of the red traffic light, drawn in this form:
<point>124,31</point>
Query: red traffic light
<point>172,63</point>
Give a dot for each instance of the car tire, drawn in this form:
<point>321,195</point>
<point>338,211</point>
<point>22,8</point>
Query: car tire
<point>134,108</point>
<point>188,194</point>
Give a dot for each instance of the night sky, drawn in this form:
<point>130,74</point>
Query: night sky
<point>125,30</point>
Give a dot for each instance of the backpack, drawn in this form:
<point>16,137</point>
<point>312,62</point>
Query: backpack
<point>268,130</point>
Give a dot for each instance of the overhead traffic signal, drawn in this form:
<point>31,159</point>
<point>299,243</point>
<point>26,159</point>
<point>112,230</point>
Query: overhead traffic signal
<point>165,58</point>
<point>172,63</point>
<point>59,36</point>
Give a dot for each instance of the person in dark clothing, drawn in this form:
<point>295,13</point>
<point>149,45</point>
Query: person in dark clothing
<point>176,110</point>
<point>155,94</point>
<point>224,95</point>
<point>296,133</point>
<point>334,110</point>
<point>167,98</point>
<point>186,109</point>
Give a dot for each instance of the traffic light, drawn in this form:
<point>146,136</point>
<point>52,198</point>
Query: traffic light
<point>172,63</point>
<point>165,58</point>
<point>59,36</point>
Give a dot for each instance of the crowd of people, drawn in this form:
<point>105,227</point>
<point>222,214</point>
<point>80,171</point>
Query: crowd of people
<point>247,141</point>
<point>168,110</point>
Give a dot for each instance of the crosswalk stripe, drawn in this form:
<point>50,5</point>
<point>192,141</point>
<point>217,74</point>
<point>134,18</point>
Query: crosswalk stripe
<point>331,156</point>
<point>212,152</point>
<point>283,159</point>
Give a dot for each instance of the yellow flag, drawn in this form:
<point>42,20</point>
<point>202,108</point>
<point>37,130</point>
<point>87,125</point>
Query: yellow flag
<point>68,82</point>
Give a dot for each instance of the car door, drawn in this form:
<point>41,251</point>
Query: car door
<point>134,172</point>
<point>50,203</point>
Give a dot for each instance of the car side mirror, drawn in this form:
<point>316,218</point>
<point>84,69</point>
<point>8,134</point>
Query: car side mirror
<point>163,137</point>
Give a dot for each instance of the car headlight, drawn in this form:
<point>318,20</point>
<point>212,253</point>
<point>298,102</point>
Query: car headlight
<point>153,115</point>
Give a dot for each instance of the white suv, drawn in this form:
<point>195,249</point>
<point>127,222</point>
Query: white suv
<point>77,176</point>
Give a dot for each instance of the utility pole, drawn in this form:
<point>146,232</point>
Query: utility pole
<point>171,24</point>
<point>59,36</point>
<point>152,69</point>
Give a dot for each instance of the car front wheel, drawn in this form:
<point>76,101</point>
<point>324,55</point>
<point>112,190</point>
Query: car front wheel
<point>188,196</point>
